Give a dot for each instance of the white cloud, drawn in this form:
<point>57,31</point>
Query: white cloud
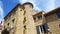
<point>57,3</point>
<point>45,5</point>
<point>33,2</point>
<point>50,5</point>
<point>1,11</point>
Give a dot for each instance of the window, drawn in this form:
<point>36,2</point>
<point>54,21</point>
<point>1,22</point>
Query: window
<point>59,25</point>
<point>45,27</point>
<point>37,27</point>
<point>13,20</point>
<point>42,28</point>
<point>24,29</point>
<point>39,17</point>
<point>8,24</point>
<point>58,14</point>
<point>24,12</point>
<point>34,19</point>
<point>24,20</point>
<point>21,10</point>
<point>13,24</point>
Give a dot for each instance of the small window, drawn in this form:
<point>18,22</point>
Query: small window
<point>58,14</point>
<point>42,28</point>
<point>13,20</point>
<point>21,10</point>
<point>45,27</point>
<point>39,17</point>
<point>25,27</point>
<point>59,25</point>
<point>38,31</point>
<point>13,24</point>
<point>34,19</point>
<point>24,12</point>
<point>8,24</point>
<point>24,20</point>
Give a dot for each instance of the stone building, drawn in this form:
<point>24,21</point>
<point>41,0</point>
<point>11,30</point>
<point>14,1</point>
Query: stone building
<point>48,23</point>
<point>22,19</point>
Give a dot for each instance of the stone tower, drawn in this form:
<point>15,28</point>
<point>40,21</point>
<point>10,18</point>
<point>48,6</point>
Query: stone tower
<point>30,25</point>
<point>25,23</point>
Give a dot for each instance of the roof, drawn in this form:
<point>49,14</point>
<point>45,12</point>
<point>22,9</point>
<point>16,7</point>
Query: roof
<point>12,10</point>
<point>28,3</point>
<point>49,13</point>
<point>17,6</point>
<point>38,14</point>
<point>52,12</point>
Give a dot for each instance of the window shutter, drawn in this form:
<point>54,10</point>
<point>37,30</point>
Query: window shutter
<point>45,26</point>
<point>37,27</point>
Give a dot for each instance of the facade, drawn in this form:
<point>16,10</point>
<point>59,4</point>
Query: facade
<point>53,21</point>
<point>48,23</point>
<point>22,19</point>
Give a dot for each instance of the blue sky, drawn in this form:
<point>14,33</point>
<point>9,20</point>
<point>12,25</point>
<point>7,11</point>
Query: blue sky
<point>45,5</point>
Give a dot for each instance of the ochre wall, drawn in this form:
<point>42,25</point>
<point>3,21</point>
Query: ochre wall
<point>53,23</point>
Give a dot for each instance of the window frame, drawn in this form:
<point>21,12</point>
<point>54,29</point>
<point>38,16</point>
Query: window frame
<point>58,15</point>
<point>39,17</point>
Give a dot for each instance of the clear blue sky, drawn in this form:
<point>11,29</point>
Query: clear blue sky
<point>45,5</point>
